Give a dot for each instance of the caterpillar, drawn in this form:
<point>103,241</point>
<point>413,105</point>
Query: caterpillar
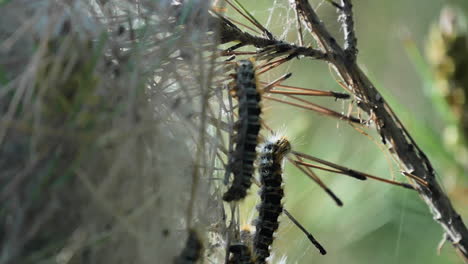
<point>192,250</point>
<point>240,254</point>
<point>247,129</point>
<point>272,153</point>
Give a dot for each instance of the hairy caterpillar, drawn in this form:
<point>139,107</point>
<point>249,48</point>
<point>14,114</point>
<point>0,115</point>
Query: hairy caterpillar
<point>240,254</point>
<point>271,153</point>
<point>192,250</point>
<point>247,129</point>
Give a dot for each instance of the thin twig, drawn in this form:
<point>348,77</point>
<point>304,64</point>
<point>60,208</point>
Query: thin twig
<point>269,86</point>
<point>317,108</point>
<point>308,234</point>
<point>299,28</point>
<point>251,18</point>
<point>303,91</point>
<point>307,171</point>
<point>347,20</point>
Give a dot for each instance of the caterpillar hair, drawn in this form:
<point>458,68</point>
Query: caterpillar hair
<point>241,162</point>
<point>192,250</point>
<point>272,153</point>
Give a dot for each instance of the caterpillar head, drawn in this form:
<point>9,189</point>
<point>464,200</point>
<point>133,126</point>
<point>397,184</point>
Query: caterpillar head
<point>283,147</point>
<point>246,233</point>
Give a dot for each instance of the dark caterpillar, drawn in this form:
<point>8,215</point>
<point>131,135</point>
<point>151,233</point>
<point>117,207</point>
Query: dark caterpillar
<point>192,250</point>
<point>247,128</point>
<point>240,254</point>
<point>272,153</point>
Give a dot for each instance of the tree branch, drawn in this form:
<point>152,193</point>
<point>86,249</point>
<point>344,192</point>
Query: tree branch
<point>346,17</point>
<point>391,130</point>
<point>230,32</point>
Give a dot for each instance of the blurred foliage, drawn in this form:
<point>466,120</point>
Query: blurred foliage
<point>447,50</point>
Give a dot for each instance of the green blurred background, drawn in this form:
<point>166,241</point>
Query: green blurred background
<point>378,223</point>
